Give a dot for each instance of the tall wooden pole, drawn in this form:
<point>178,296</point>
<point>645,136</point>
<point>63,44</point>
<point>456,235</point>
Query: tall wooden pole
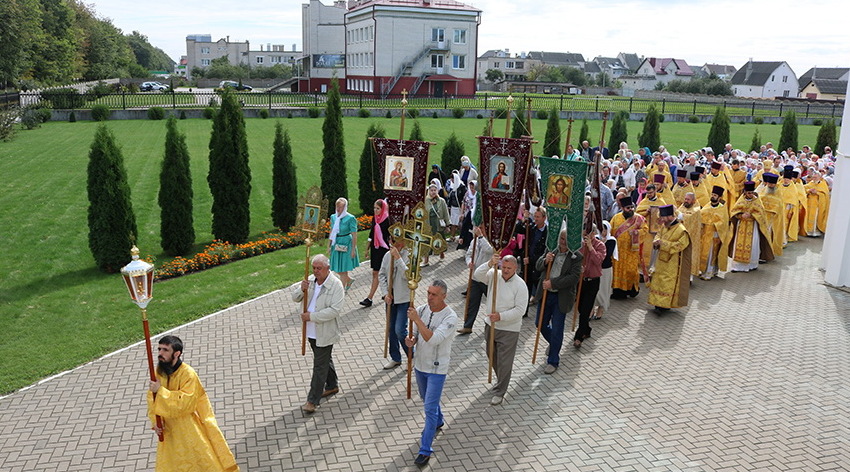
<point>569,133</point>
<point>597,166</point>
<point>403,112</point>
<point>492,294</point>
<point>307,243</point>
<point>149,349</point>
<point>528,116</point>
<point>510,101</point>
<point>412,285</point>
<point>540,317</point>
<point>469,279</point>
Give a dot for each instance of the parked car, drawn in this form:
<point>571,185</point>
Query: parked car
<point>150,86</point>
<point>234,85</point>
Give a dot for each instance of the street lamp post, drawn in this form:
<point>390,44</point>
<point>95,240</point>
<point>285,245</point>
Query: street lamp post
<point>138,276</point>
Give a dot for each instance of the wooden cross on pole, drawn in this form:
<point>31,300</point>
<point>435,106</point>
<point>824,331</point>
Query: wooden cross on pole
<point>569,133</point>
<point>312,214</point>
<point>510,101</point>
<point>418,238</point>
<point>403,111</point>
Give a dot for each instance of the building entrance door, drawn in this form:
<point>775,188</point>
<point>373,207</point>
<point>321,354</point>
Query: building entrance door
<point>438,89</point>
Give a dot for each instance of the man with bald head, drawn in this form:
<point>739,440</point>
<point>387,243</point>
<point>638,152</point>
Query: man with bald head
<point>505,314</point>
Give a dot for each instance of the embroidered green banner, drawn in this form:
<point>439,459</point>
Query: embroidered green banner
<point>563,183</point>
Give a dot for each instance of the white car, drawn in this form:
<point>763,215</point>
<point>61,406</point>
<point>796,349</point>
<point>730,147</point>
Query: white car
<point>149,86</point>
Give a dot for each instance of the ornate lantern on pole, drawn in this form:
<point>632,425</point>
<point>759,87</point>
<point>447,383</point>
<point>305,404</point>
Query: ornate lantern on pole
<point>138,276</point>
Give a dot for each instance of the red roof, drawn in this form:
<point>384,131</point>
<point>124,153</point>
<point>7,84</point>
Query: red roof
<point>443,78</point>
<point>659,65</point>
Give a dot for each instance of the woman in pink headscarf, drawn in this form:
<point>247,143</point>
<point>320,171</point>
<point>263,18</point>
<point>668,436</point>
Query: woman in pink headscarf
<point>379,238</point>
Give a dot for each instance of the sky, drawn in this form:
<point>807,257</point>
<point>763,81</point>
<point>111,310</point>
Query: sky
<point>698,31</point>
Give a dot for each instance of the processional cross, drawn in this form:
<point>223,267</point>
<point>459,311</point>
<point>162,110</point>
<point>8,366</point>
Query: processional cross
<point>417,236</point>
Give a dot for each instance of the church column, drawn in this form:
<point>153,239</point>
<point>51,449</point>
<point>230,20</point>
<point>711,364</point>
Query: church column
<point>836,244</point>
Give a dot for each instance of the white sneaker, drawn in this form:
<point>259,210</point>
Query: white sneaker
<point>549,369</point>
<point>496,400</point>
<point>391,365</point>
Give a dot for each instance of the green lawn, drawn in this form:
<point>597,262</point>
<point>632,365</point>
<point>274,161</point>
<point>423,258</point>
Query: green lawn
<point>60,312</point>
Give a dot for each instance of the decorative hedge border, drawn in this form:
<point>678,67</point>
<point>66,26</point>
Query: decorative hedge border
<point>222,252</point>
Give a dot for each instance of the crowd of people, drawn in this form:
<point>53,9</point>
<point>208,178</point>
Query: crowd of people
<point>667,219</point>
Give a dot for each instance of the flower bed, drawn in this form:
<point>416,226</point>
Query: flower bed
<point>222,252</point>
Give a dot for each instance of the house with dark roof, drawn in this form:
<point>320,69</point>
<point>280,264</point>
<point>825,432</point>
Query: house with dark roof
<point>757,79</point>
<point>630,60</point>
<point>831,73</point>
<point>557,59</point>
<point>825,89</point>
<point>722,71</point>
<point>514,67</point>
<point>611,65</point>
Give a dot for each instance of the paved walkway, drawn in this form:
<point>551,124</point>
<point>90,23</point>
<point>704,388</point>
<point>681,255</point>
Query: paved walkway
<point>753,375</point>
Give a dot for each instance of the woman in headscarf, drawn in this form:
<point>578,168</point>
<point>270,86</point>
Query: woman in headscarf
<point>379,244</point>
<point>603,296</point>
<point>437,173</point>
<point>640,191</point>
<point>467,170</point>
<point>342,242</point>
<point>438,214</point>
<point>467,210</point>
<point>455,191</point>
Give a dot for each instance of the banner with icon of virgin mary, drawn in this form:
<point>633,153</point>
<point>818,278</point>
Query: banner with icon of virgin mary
<point>563,184</point>
<point>404,170</point>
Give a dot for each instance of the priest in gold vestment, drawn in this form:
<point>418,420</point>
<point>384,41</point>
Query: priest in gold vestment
<point>750,241</point>
<point>817,208</point>
<point>775,208</point>
<point>628,228</point>
<point>682,187</point>
<point>690,215</point>
<point>671,272</point>
<point>714,247</point>
<point>795,203</point>
<point>192,439</point>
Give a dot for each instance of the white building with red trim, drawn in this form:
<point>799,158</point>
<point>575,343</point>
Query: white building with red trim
<point>381,47</point>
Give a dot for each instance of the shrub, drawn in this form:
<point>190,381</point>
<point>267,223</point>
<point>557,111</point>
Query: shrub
<point>177,233</point>
<point>213,102</point>
<point>8,117</point>
<point>479,116</point>
<point>64,98</point>
<point>719,134</point>
<point>817,122</point>
<point>458,113</point>
<point>100,113</point>
<point>29,119</point>
<point>789,134</point>
<point>758,120</point>
<point>773,122</point>
<point>264,113</point>
<point>412,113</point>
<point>72,118</point>
<point>99,90</point>
<point>364,113</point>
<point>289,114</point>
<point>333,173</point>
<point>182,114</point>
<point>313,112</point>
<point>44,114</point>
<point>370,177</point>
<point>434,115</point>
<point>389,114</point>
<point>156,113</point>
<point>500,113</point>
<point>284,184</point>
<point>693,119</point>
<point>542,114</point>
<point>661,118</point>
<point>742,122</point>
<point>209,113</point>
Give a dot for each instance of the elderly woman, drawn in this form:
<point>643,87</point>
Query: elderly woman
<point>467,170</point>
<point>603,296</point>
<point>342,242</point>
<point>466,210</point>
<point>438,214</point>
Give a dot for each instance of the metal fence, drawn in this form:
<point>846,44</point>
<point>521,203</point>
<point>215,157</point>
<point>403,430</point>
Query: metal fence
<point>485,103</point>
<point>10,99</point>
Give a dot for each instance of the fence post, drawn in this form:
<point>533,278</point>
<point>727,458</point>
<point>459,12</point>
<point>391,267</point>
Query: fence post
<point>124,99</point>
<point>807,109</point>
<point>833,110</point>
<point>270,101</point>
<point>724,105</point>
<point>753,111</point>
<point>360,100</point>
<point>695,107</point>
<point>597,104</point>
<point>485,103</point>
<point>561,105</point>
<point>781,104</point>
<point>173,100</point>
<point>445,101</point>
<point>663,105</point>
<point>630,104</point>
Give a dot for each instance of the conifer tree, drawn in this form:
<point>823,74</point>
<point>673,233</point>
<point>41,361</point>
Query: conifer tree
<point>619,133</point>
<point>112,223</point>
<point>756,144</point>
<point>284,183</point>
<point>519,127</point>
<point>229,176</point>
<point>552,140</point>
<point>826,137</point>
<point>416,132</point>
<point>333,173</point>
<point>651,135</point>
<point>788,137</point>
<point>453,150</point>
<point>718,135</point>
<point>176,224</point>
<point>370,181</point>
<point>583,134</point>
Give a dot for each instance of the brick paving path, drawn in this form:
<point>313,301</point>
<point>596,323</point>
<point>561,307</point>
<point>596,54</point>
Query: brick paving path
<point>753,375</point>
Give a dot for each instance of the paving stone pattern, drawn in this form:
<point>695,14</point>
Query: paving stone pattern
<point>753,375</point>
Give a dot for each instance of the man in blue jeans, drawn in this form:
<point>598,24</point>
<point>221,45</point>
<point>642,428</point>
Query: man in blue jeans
<point>560,295</point>
<point>432,335</point>
<point>398,299</point>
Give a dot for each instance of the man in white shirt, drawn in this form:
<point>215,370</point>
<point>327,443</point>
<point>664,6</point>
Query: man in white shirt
<point>432,336</point>
<point>511,295</point>
<point>326,295</point>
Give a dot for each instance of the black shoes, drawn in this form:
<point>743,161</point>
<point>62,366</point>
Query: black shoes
<point>367,302</point>
<point>422,460</point>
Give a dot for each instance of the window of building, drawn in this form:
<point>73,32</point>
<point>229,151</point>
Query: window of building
<point>205,50</point>
<point>784,79</point>
<point>519,65</point>
<point>784,93</point>
<point>458,61</point>
<point>460,36</point>
<point>771,77</point>
<point>495,65</point>
<point>205,62</point>
<point>260,59</point>
<point>438,34</point>
<point>275,59</point>
<point>509,64</point>
<point>436,60</point>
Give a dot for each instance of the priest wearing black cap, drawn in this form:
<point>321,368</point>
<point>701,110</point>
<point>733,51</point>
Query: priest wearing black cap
<point>671,272</point>
<point>700,189</point>
<point>628,228</point>
<point>682,187</point>
<point>750,243</point>
<point>738,177</point>
<point>794,200</point>
<point>717,176</point>
<point>775,208</point>
<point>714,244</point>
